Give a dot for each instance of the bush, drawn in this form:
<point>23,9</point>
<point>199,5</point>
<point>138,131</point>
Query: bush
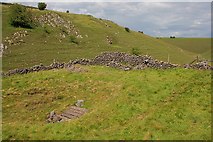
<point>67,11</point>
<point>127,29</point>
<point>42,5</point>
<point>136,51</point>
<point>73,39</point>
<point>47,30</point>
<point>20,16</point>
<point>64,30</point>
<point>140,32</point>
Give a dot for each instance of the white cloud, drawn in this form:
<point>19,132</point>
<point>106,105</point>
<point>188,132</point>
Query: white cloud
<point>62,1</point>
<point>157,19</point>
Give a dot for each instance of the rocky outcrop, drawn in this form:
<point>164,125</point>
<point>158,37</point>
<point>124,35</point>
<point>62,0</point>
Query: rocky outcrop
<point>55,20</point>
<point>117,60</point>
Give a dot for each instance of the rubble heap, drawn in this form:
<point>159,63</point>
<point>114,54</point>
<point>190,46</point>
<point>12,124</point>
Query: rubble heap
<point>126,61</point>
<point>117,60</point>
<point>202,65</point>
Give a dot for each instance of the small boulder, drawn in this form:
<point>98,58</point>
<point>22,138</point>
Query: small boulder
<point>79,103</point>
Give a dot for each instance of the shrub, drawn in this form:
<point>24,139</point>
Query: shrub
<point>140,32</point>
<point>67,11</point>
<point>47,30</point>
<point>42,5</point>
<point>127,29</point>
<point>136,51</point>
<point>73,39</point>
<point>63,30</point>
<point>20,16</point>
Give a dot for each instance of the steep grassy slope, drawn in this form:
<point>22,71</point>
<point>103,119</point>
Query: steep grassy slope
<point>43,47</point>
<point>150,104</point>
<point>199,46</point>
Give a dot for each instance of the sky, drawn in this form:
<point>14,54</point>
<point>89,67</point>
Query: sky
<point>159,19</point>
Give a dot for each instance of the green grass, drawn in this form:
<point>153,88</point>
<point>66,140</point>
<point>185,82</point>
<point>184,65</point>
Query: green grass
<point>41,47</point>
<point>173,104</point>
<point>199,46</point>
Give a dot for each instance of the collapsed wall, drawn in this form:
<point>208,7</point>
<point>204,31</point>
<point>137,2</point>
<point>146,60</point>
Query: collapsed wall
<point>117,60</point>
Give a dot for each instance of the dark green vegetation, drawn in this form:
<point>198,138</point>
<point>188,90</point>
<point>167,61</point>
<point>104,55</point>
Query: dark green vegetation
<point>42,5</point>
<point>20,16</point>
<point>43,44</point>
<point>199,46</point>
<point>149,104</point>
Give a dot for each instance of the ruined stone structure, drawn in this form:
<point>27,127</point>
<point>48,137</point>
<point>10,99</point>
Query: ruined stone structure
<point>72,112</point>
<point>117,60</point>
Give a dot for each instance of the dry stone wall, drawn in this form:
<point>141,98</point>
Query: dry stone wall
<point>202,65</point>
<point>117,60</point>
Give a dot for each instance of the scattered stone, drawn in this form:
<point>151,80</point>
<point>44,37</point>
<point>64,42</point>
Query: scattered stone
<point>202,65</point>
<point>117,60</point>
<point>79,103</point>
<point>74,68</point>
<point>55,20</point>
<point>72,112</point>
<point>16,38</point>
<point>109,39</point>
<point>53,117</point>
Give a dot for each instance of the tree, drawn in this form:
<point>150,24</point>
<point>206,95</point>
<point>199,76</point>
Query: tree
<point>127,29</point>
<point>42,5</point>
<point>20,16</point>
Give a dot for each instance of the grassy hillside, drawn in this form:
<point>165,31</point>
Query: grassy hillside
<point>150,104</point>
<point>199,46</point>
<point>44,44</point>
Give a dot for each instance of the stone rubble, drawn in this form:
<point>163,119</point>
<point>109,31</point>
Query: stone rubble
<point>2,48</point>
<point>53,117</point>
<point>55,20</point>
<point>73,112</point>
<point>109,39</point>
<point>79,103</point>
<point>117,60</point>
<point>124,61</point>
<point>16,38</point>
<point>202,65</point>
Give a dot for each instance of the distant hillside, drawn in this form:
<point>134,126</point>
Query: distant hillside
<point>64,36</point>
<point>199,46</point>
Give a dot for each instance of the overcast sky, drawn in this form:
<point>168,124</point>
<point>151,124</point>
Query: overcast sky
<point>180,19</point>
